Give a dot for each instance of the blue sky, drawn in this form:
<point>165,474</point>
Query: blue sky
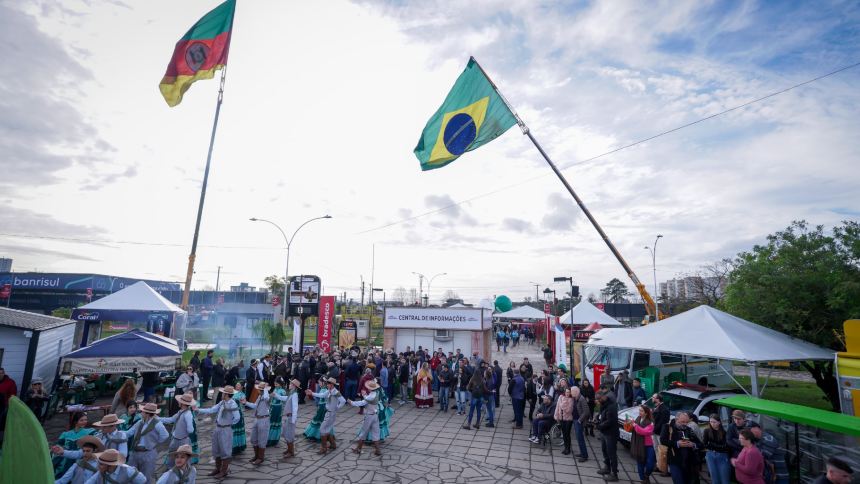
<point>89,150</point>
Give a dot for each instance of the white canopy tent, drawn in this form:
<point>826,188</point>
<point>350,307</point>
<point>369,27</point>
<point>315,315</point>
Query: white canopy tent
<point>136,297</point>
<point>708,332</point>
<point>522,312</point>
<point>586,313</point>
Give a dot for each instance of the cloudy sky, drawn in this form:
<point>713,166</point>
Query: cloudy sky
<point>326,100</point>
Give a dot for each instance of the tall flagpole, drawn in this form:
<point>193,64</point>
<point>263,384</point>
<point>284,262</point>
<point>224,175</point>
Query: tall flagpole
<point>193,256</point>
<point>649,302</point>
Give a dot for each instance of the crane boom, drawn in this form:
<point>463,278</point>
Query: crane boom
<point>650,306</point>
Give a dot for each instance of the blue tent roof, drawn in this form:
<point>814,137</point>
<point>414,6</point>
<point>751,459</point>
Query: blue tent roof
<point>131,343</point>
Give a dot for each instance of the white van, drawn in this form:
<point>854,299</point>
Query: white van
<point>698,370</point>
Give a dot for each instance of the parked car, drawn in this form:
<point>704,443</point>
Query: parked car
<point>684,397</point>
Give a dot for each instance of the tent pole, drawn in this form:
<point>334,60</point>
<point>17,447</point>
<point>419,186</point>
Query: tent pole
<point>733,379</point>
<point>754,379</point>
<point>766,380</point>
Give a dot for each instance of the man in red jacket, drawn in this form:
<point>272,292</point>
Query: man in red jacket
<point>8,389</point>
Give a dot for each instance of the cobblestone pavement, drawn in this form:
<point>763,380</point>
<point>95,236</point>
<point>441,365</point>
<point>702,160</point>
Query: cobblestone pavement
<point>426,446</point>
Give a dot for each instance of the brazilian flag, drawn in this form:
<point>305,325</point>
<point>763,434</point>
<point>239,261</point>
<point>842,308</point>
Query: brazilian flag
<point>472,115</point>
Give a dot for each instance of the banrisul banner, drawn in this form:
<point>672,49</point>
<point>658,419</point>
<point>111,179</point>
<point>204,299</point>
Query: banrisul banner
<point>434,318</point>
<point>77,282</point>
<point>326,320</point>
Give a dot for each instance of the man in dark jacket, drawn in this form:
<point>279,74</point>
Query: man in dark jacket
<point>206,375</point>
<point>303,372</point>
<point>352,373</point>
<point>838,472</point>
<point>547,355</point>
<point>543,419</point>
<point>403,378</point>
<point>607,424</point>
<point>683,448</point>
<point>497,374</point>
<point>527,369</point>
<point>623,389</point>
<point>251,376</point>
<point>661,419</point>
<point>518,396</point>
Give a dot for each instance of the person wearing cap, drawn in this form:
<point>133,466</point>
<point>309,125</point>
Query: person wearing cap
<point>87,465</point>
<point>291,408</point>
<point>276,413</point>
<point>733,430</point>
<point>838,472</point>
<point>143,438</point>
<point>110,437</point>
<point>773,454</point>
<point>36,398</point>
<point>181,471</point>
<point>113,470</point>
<point>184,427</point>
<point>333,401</point>
<point>370,424</point>
<point>260,430</point>
<point>226,415</point>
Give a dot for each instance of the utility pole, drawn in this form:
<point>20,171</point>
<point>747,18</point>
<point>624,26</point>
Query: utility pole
<point>372,272</point>
<point>218,279</point>
<point>362,293</point>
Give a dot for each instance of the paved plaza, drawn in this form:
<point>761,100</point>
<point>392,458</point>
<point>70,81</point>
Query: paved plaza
<point>426,446</point>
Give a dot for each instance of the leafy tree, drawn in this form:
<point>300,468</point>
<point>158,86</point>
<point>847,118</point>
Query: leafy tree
<point>275,284</point>
<point>803,282</point>
<point>399,295</point>
<point>273,333</point>
<point>615,291</point>
<point>65,313</point>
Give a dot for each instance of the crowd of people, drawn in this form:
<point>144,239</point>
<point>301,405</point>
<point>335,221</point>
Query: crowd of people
<point>122,446</point>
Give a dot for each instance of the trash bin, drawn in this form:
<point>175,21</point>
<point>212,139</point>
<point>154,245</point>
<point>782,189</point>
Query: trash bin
<point>650,378</point>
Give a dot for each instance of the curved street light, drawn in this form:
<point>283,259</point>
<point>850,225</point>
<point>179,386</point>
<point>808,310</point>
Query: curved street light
<point>653,252</point>
<point>289,243</point>
<point>431,282</point>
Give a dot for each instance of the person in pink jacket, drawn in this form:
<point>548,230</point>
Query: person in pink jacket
<point>749,464</point>
<point>643,427</point>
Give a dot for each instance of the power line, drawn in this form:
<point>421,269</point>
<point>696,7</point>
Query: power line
<point>616,150</point>
<point>130,242</point>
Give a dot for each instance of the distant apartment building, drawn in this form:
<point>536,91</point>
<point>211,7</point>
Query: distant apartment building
<point>5,264</point>
<point>693,288</point>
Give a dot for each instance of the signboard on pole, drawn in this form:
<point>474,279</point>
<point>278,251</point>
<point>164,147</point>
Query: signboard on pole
<point>324,325</point>
<point>434,318</point>
<point>304,294</point>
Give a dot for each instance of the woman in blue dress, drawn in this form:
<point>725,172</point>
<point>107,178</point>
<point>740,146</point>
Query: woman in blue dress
<point>275,413</point>
<point>239,438</point>
<point>68,441</point>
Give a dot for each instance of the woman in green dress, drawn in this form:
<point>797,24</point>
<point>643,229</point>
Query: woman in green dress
<point>239,439</point>
<point>68,441</point>
<point>275,414</point>
<point>313,429</point>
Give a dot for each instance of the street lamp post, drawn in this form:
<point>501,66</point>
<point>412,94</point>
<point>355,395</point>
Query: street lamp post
<point>289,242</point>
<point>431,282</point>
<point>420,286</point>
<point>653,252</point>
<point>566,279</point>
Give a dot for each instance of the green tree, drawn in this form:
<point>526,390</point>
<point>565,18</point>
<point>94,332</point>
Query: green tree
<point>273,333</point>
<point>275,284</point>
<point>803,282</point>
<point>615,291</point>
<point>65,313</point>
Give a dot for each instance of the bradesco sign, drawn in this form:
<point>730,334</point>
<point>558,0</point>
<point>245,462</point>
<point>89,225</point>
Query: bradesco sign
<point>433,318</point>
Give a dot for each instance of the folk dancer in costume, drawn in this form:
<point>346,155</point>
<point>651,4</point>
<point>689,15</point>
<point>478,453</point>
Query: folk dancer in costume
<point>182,472</point>
<point>86,466</point>
<point>143,438</point>
<point>423,392</point>
<point>68,442</point>
<point>240,439</point>
<point>260,430</point>
<point>312,431</point>
<point>109,436</point>
<point>184,428</point>
<point>276,413</point>
<point>333,401</point>
<point>291,408</point>
<point>227,414</point>
<point>112,470</point>
<point>370,424</point>
<point>384,412</point>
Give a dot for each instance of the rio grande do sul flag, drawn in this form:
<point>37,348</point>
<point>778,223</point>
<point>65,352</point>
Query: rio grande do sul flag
<point>471,116</point>
<point>199,53</point>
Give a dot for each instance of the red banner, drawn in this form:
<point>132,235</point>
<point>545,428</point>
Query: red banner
<point>276,300</point>
<point>326,322</point>
<point>5,291</point>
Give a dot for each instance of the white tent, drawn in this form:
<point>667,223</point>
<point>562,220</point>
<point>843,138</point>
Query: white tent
<point>586,313</point>
<point>522,312</point>
<point>705,331</point>
<point>136,297</point>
